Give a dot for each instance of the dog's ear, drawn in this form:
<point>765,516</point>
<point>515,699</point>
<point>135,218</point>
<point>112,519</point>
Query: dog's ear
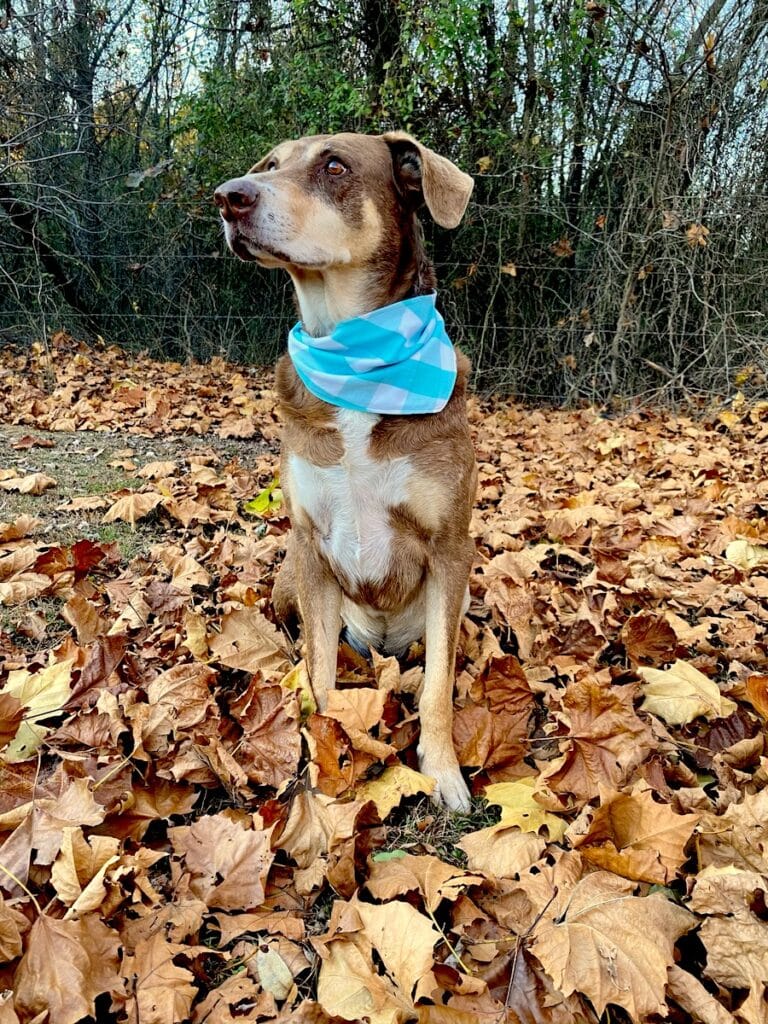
<point>418,171</point>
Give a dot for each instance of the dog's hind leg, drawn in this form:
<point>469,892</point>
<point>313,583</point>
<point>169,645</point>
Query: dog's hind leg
<point>446,586</point>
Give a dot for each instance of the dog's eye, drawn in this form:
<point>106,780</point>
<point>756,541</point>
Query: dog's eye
<point>271,165</point>
<point>335,167</point>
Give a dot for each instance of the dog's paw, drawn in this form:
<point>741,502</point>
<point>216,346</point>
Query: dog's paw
<point>450,789</point>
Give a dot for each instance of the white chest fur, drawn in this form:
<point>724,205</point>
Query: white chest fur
<point>349,503</point>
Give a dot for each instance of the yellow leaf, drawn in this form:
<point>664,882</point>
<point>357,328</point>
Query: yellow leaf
<point>392,785</point>
<point>42,693</point>
<point>729,419</point>
<point>681,693</point>
<point>298,679</point>
<point>267,501</point>
<point>484,164</point>
<point>508,268</point>
<point>746,556</point>
<point>519,807</point>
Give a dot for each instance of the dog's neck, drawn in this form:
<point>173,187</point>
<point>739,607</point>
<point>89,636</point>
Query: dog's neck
<point>327,296</point>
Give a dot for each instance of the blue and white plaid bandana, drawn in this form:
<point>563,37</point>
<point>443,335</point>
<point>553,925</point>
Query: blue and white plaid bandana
<point>397,360</point>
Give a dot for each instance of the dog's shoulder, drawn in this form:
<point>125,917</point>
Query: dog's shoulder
<point>309,424</point>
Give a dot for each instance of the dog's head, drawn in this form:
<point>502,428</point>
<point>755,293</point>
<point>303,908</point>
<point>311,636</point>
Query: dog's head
<point>333,201</point>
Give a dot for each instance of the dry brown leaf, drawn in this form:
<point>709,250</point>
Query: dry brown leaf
<point>67,964</point>
<point>24,526</point>
<point>158,990</point>
<point>348,987</point>
<point>237,1000</point>
<point>78,873</point>
<point>84,616</point>
<point>316,824</point>
<point>430,876</point>
<point>270,747</point>
<point>34,483</point>
<point>227,864</point>
<point>726,890</point>
<point>359,710</point>
<point>23,588</point>
<point>689,993</point>
<point>11,714</point>
<point>250,642</point>
<point>12,926</point>
<point>404,940</point>
<point>132,507</point>
<point>501,852</point>
<point>737,956</point>
<point>757,694</point>
<point>634,836</point>
<point>610,945</point>
<point>604,742</point>
<point>40,824</point>
<point>157,470</point>
<point>648,637</point>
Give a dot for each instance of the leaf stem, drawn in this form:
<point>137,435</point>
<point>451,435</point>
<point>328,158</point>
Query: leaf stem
<point>23,887</point>
<point>448,943</point>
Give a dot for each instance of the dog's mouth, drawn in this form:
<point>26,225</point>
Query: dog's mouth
<point>241,248</point>
<point>250,251</point>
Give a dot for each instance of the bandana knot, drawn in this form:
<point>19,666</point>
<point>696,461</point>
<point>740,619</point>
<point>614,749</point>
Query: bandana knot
<point>397,360</point>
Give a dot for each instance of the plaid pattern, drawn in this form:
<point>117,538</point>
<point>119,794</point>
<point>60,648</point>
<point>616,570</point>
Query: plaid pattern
<point>397,360</point>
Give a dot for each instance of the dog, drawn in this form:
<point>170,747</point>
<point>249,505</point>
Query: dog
<point>380,503</point>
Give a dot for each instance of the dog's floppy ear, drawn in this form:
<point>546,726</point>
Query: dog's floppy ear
<point>445,189</point>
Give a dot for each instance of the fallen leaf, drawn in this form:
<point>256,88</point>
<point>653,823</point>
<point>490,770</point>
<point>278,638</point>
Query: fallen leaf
<point>226,863</point>
<point>605,739</point>
<point>501,852</point>
<point>681,693</point>
<point>392,785</point>
<point>348,987</point>
<point>649,637</point>
<point>250,642</point>
<point>42,694</point>
<point>612,946</point>
<point>519,807</point>
<point>12,925</point>
<point>132,507</point>
<point>429,875</point>
<point>34,483</point>
<point>746,556</point>
<point>634,836</point>
<point>67,964</point>
<point>158,990</point>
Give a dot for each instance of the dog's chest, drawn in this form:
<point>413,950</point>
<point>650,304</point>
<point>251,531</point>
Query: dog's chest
<point>349,503</point>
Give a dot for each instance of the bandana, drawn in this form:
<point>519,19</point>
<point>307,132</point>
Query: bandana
<point>397,360</point>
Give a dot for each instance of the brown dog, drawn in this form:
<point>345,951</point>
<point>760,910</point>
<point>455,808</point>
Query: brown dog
<point>380,505</point>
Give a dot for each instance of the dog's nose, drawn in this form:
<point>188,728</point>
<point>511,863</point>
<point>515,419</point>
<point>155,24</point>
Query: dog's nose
<point>236,197</point>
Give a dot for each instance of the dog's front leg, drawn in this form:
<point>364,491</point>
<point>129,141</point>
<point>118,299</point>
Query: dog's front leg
<point>446,585</point>
<point>320,605</point>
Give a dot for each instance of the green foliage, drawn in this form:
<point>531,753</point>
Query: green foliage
<point>599,136</point>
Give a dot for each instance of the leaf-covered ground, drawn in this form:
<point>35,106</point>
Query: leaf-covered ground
<point>184,838</point>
